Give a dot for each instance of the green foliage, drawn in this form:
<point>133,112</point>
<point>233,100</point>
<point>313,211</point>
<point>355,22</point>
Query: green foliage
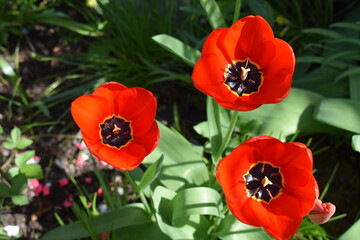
<point>352,233</point>
<point>14,169</point>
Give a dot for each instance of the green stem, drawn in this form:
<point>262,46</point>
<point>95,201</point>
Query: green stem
<point>237,10</point>
<point>135,186</point>
<point>226,140</point>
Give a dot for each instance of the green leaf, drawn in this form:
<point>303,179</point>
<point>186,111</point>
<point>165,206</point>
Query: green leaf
<point>192,227</point>
<point>339,112</point>
<point>264,9</point>
<point>18,183</point>
<point>297,109</point>
<point>4,190</point>
<point>352,26</point>
<point>20,200</point>
<point>350,72</point>
<point>129,215</point>
<point>352,232</point>
<point>15,135</point>
<point>8,70</point>
<point>141,232</point>
<point>214,124</point>
<point>151,173</point>
<point>62,20</point>
<point>213,14</point>
<point>32,170</point>
<point>232,229</point>
<point>9,144</point>
<point>323,32</point>
<point>188,54</point>
<point>13,171</point>
<point>354,86</point>
<point>356,142</point>
<point>182,166</point>
<point>199,200</point>
<point>22,158</point>
<point>1,130</point>
<point>23,143</point>
<point>331,60</point>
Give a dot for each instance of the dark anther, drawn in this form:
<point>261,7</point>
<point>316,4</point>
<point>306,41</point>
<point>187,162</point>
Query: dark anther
<point>243,77</point>
<point>263,182</point>
<point>115,132</point>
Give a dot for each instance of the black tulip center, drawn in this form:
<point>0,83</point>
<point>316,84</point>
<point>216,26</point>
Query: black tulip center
<point>264,182</point>
<point>115,132</point>
<point>243,77</point>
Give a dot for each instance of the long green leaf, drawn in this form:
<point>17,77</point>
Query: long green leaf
<point>352,26</point>
<point>350,72</point>
<point>323,32</point>
<point>294,114</point>
<point>188,54</point>
<point>341,113</point>
<point>151,173</point>
<point>129,215</point>
<point>215,133</point>
<point>213,13</point>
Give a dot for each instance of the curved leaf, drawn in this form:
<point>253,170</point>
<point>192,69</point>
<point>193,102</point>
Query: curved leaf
<point>199,200</point>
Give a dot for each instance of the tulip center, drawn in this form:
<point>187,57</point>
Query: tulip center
<point>264,182</point>
<point>115,132</point>
<point>243,77</point>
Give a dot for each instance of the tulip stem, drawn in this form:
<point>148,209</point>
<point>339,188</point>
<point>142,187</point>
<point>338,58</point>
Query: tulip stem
<point>141,194</point>
<point>237,10</point>
<point>226,140</point>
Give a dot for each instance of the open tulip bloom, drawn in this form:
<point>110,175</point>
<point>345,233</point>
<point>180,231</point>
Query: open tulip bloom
<point>244,66</point>
<point>117,124</point>
<point>269,184</point>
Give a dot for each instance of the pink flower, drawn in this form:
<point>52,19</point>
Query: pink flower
<point>63,182</point>
<point>321,212</point>
<point>67,203</point>
<point>81,145</point>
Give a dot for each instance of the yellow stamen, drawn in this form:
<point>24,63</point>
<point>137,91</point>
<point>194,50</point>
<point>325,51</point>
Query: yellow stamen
<point>244,73</point>
<point>116,129</point>
<point>265,181</point>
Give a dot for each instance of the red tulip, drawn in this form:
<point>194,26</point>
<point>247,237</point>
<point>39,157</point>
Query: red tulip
<point>244,66</point>
<point>269,184</point>
<point>117,124</point>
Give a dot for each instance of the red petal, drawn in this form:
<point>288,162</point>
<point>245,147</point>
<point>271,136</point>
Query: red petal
<point>88,112</point>
<point>250,37</point>
<point>150,139</point>
<point>109,89</point>
<point>277,75</point>
<point>210,45</point>
<point>238,105</point>
<point>137,105</point>
<point>127,158</point>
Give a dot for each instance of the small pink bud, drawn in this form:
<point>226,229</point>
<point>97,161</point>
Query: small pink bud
<point>63,182</point>
<point>321,212</point>
<point>67,203</point>
<point>46,189</point>
<point>99,192</point>
<point>81,145</point>
<point>88,180</point>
